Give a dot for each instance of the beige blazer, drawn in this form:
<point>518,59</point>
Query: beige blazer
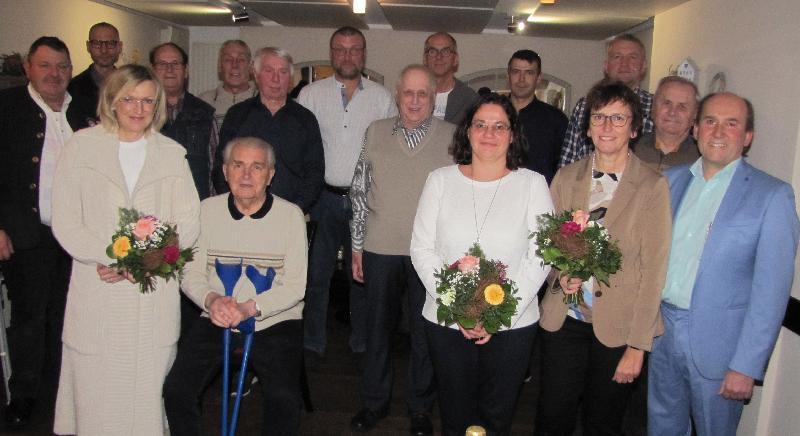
<point>639,218</point>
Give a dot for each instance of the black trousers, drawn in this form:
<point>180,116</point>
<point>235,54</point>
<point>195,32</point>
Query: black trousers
<point>37,281</point>
<point>479,384</point>
<point>275,357</point>
<point>385,279</point>
<point>577,367</point>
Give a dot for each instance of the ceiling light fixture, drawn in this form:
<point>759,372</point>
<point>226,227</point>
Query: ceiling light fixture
<point>359,6</point>
<point>240,15</point>
<point>516,24</point>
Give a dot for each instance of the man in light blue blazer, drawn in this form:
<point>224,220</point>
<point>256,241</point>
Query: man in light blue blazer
<point>735,235</point>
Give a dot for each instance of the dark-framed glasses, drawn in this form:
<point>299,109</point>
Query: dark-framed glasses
<point>98,44</point>
<point>483,127</point>
<point>164,66</point>
<point>352,51</point>
<point>445,52</point>
<point>617,120</point>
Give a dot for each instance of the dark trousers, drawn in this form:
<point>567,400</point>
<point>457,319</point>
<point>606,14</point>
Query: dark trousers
<point>275,357</point>
<point>577,367</point>
<point>332,213</point>
<point>479,384</point>
<point>385,279</point>
<point>37,280</point>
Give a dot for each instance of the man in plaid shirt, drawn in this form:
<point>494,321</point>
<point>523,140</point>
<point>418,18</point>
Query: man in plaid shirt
<point>625,63</point>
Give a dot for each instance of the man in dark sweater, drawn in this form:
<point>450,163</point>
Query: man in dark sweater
<point>104,47</point>
<point>36,120</point>
<point>289,127</point>
<point>543,125</point>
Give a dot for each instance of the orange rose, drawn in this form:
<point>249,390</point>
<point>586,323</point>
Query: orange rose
<point>121,247</point>
<point>581,218</point>
<point>494,294</point>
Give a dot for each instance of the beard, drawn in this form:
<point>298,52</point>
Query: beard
<point>347,71</point>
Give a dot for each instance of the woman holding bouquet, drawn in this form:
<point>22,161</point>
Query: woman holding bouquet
<point>594,350</point>
<point>486,198</point>
<point>119,343</point>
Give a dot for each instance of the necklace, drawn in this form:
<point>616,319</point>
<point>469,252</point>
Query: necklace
<point>479,230</point>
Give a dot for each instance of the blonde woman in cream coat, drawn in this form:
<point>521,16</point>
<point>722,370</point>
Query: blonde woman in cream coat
<point>118,343</point>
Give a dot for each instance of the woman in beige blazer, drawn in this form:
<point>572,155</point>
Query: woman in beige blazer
<point>595,351</point>
<point>118,343</point>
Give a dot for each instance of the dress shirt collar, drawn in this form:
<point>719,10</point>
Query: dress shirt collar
<point>37,98</point>
<point>260,213</point>
<point>722,175</point>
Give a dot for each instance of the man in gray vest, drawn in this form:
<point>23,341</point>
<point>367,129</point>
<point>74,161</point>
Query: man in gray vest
<point>397,155</point>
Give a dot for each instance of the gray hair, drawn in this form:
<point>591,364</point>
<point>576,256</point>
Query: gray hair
<point>272,51</point>
<point>249,141</point>
<point>417,67</point>
<point>678,80</point>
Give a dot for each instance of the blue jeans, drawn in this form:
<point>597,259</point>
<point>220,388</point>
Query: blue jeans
<point>332,212</point>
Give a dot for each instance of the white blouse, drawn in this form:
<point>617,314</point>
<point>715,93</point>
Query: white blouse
<point>131,159</point>
<point>451,212</point>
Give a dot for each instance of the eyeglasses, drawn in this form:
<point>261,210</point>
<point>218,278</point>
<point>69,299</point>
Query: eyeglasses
<point>443,52</point>
<point>165,66</point>
<point>98,44</point>
<point>484,127</point>
<point>617,120</point>
<point>147,102</point>
<point>352,51</point>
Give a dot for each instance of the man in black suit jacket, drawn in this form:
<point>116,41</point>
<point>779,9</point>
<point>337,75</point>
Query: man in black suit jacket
<point>104,47</point>
<point>453,97</point>
<point>35,122</point>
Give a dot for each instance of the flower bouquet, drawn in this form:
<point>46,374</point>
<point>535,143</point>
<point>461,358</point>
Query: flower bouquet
<point>147,248</point>
<point>576,244</point>
<point>474,289</point>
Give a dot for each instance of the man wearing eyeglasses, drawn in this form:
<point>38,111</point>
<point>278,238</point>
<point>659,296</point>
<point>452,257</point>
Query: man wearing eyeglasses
<point>344,104</point>
<point>190,122</point>
<point>453,97</point>
<point>104,47</point>
<point>36,121</point>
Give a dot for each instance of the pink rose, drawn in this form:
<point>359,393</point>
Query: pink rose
<point>581,218</point>
<point>171,254</point>
<point>144,227</point>
<point>570,228</point>
<point>468,264</point>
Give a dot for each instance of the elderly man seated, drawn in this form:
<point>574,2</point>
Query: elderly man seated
<point>251,227</point>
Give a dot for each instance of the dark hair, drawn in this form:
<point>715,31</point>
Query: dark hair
<point>184,56</point>
<point>528,56</point>
<point>462,149</point>
<point>750,123</point>
<point>48,41</point>
<point>605,93</point>
<point>347,31</point>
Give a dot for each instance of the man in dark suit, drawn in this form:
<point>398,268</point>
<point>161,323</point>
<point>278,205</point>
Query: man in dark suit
<point>453,97</point>
<point>104,47</point>
<point>730,272</point>
<point>543,125</point>
<point>36,120</point>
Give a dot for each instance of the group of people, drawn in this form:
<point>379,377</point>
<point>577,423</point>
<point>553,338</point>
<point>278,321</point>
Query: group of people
<point>405,182</point>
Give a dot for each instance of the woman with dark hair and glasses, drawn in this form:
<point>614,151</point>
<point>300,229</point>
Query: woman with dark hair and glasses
<point>595,350</point>
<point>487,198</point>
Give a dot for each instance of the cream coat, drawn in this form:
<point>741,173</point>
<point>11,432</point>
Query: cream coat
<point>639,218</point>
<point>118,343</point>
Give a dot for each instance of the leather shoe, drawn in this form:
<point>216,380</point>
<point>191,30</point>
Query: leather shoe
<point>366,420</point>
<point>421,424</point>
<point>18,412</point>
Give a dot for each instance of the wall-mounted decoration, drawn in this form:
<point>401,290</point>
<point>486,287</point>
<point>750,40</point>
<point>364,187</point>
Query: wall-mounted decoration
<point>718,83</point>
<point>688,70</point>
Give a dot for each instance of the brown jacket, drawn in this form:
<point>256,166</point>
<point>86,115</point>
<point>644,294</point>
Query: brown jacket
<point>639,219</point>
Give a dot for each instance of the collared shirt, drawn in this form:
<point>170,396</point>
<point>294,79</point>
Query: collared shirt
<point>222,99</point>
<point>57,132</point>
<point>342,123</point>
<point>362,178</point>
<point>690,230</point>
<point>174,109</point>
<point>645,149</point>
<point>577,144</point>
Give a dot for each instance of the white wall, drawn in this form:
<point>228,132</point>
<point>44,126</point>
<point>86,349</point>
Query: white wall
<point>754,44</point>
<point>25,20</point>
<point>577,61</point>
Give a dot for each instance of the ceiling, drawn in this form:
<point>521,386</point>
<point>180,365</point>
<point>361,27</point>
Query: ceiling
<point>579,19</point>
